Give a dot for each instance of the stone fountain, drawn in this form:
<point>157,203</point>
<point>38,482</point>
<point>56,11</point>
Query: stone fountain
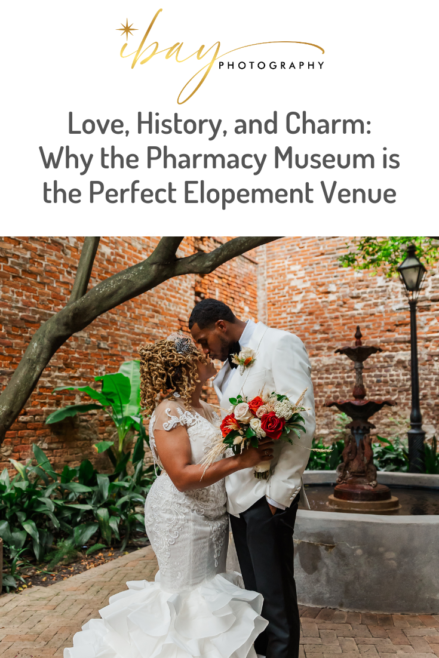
<point>357,489</point>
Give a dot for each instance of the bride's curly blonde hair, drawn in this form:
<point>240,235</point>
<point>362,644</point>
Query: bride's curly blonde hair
<point>168,366</point>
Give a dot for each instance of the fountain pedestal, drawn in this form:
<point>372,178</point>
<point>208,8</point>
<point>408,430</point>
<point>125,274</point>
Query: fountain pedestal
<point>357,489</point>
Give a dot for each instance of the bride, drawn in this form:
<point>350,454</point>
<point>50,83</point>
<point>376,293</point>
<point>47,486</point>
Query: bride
<point>194,608</point>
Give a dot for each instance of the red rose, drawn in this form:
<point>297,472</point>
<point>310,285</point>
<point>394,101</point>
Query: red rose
<point>255,404</point>
<point>272,425</point>
<point>229,424</point>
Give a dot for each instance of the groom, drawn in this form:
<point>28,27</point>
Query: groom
<point>263,512</point>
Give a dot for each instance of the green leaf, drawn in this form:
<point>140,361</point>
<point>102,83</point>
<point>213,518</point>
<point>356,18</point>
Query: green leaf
<point>5,533</point>
<point>233,401</point>
<point>51,516</point>
<point>131,369</point>
<point>41,474</point>
<point>43,461</point>
<point>23,485</point>
<point>116,485</point>
<point>68,474</point>
<point>79,506</point>
<point>31,529</point>
<point>49,504</point>
<point>103,517</point>
<point>8,581</point>
<point>93,549</point>
<point>103,485</point>
<point>116,388</point>
<point>83,532</point>
<point>130,497</point>
<point>69,412</point>
<point>75,487</point>
<point>122,464</point>
<point>139,451</point>
<point>94,395</point>
<point>114,525</point>
<point>85,472</point>
<point>19,468</point>
<point>389,443</point>
<point>4,477</point>
<point>102,446</point>
<point>250,432</point>
<point>18,538</point>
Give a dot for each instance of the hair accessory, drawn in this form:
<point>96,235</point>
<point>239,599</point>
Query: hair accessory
<point>183,344</point>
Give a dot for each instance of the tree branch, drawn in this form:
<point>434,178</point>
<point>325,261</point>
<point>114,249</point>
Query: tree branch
<point>85,266</point>
<point>202,263</point>
<point>160,266</point>
<point>165,250</point>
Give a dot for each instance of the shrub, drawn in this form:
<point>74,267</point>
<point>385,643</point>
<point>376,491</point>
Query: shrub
<point>39,507</point>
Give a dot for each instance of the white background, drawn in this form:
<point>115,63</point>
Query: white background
<point>380,65</point>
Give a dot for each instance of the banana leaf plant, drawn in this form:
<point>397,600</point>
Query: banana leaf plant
<point>119,398</point>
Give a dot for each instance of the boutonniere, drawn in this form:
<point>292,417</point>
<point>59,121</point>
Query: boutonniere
<point>245,359</point>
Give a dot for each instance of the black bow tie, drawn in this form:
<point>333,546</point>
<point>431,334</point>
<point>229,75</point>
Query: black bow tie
<point>234,349</point>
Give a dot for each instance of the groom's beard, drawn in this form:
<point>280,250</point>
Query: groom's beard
<point>223,351</point>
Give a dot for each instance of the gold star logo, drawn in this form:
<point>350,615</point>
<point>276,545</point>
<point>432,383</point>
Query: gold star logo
<point>127,29</point>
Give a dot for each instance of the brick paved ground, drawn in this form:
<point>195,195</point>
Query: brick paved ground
<point>41,621</point>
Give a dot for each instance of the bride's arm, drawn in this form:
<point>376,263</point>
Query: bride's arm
<point>174,450</point>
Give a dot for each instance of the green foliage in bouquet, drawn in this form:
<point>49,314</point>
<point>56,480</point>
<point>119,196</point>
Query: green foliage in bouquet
<point>48,516</point>
<point>119,398</point>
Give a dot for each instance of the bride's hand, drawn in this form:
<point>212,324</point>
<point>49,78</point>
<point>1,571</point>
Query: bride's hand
<point>253,456</point>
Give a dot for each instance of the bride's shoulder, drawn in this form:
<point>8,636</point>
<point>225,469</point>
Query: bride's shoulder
<point>170,413</point>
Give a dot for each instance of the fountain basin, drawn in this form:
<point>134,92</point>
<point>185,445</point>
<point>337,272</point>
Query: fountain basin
<point>369,562</point>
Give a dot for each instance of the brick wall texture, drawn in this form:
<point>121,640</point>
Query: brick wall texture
<point>308,293</point>
<point>36,277</point>
<point>294,284</point>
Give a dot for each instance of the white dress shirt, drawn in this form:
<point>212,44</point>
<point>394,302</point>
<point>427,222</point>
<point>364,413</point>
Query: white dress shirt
<point>243,342</point>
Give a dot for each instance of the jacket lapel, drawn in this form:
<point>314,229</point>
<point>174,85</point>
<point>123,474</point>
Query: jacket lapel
<point>237,380</point>
<point>218,380</point>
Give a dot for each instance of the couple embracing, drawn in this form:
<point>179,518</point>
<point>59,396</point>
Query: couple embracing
<point>195,608</point>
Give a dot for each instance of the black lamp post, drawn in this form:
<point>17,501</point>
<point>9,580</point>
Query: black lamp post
<point>412,273</point>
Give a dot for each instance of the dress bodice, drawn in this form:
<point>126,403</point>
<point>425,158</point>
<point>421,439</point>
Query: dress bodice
<point>203,428</point>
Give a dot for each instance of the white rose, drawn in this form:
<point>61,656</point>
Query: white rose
<point>247,353</point>
<point>242,412</point>
<point>262,410</point>
<point>255,424</point>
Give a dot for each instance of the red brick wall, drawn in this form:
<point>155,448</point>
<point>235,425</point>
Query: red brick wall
<point>307,293</point>
<point>36,276</point>
<point>294,284</point>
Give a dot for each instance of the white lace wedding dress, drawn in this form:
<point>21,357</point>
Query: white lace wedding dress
<point>193,608</point>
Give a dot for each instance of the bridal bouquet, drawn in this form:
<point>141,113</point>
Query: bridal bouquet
<point>270,415</point>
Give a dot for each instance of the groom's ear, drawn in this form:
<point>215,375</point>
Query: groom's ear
<point>222,325</point>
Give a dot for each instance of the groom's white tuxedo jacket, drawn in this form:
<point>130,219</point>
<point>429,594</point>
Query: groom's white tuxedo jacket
<point>282,365</point>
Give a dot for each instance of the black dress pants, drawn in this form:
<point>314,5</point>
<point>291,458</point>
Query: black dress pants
<point>264,544</point>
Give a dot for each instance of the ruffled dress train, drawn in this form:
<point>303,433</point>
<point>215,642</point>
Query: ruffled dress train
<point>217,619</point>
<point>194,607</point>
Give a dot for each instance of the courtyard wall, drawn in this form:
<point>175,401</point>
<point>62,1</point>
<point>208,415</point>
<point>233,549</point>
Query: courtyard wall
<point>36,278</point>
<point>295,284</point>
<point>305,291</point>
